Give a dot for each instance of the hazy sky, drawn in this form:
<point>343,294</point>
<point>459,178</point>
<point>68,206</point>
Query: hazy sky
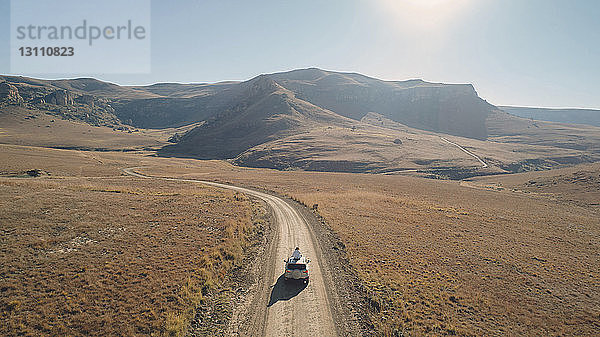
<point>515,52</point>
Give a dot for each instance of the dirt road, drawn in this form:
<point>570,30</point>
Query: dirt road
<point>483,164</point>
<point>276,308</point>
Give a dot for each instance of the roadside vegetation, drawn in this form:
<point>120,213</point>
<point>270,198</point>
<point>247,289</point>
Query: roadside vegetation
<point>445,258</point>
<point>114,255</point>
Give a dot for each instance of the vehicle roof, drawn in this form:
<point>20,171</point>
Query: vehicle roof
<point>301,260</point>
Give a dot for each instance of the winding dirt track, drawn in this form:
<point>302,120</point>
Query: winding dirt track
<point>276,308</point>
<point>483,164</point>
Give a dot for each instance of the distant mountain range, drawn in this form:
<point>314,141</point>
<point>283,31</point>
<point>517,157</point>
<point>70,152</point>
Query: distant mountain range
<point>571,116</point>
<point>316,120</point>
<point>416,103</point>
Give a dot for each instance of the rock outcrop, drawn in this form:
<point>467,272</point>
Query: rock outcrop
<point>10,94</point>
<point>59,97</point>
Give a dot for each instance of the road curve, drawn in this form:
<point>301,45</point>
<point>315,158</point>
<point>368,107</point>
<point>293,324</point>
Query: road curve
<point>291,309</point>
<point>483,164</point>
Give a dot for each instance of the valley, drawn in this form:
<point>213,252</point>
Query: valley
<point>427,210</point>
<point>430,256</point>
<point>307,119</point>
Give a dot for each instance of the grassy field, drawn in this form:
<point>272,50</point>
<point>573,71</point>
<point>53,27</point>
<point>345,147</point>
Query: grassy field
<point>86,251</point>
<point>579,184</point>
<point>441,257</point>
<point>502,255</point>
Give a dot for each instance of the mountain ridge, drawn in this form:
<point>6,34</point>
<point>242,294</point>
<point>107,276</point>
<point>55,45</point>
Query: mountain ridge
<point>315,119</point>
<point>559,115</point>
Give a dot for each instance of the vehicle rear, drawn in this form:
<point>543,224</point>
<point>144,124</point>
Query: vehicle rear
<point>296,270</point>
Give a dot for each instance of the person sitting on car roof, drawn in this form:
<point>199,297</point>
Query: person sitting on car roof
<point>296,254</point>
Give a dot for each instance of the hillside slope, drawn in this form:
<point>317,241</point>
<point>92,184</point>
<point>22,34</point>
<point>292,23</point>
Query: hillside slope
<point>448,108</point>
<point>259,112</point>
<point>572,116</point>
<point>311,119</point>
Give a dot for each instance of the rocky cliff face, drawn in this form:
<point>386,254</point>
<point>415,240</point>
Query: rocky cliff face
<point>452,109</point>
<point>10,94</point>
<point>60,97</point>
<point>449,108</point>
<point>269,107</point>
<point>43,96</point>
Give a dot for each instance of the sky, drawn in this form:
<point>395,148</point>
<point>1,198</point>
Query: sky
<point>515,52</point>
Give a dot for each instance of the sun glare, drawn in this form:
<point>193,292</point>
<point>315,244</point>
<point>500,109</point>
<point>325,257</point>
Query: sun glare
<point>424,14</point>
<point>425,3</point>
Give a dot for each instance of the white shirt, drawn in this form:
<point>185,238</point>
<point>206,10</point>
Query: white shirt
<point>296,254</point>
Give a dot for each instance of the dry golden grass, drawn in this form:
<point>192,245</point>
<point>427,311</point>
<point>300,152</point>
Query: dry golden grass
<point>437,257</point>
<point>579,184</point>
<point>370,148</point>
<point>441,258</point>
<point>20,126</point>
<point>110,255</point>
